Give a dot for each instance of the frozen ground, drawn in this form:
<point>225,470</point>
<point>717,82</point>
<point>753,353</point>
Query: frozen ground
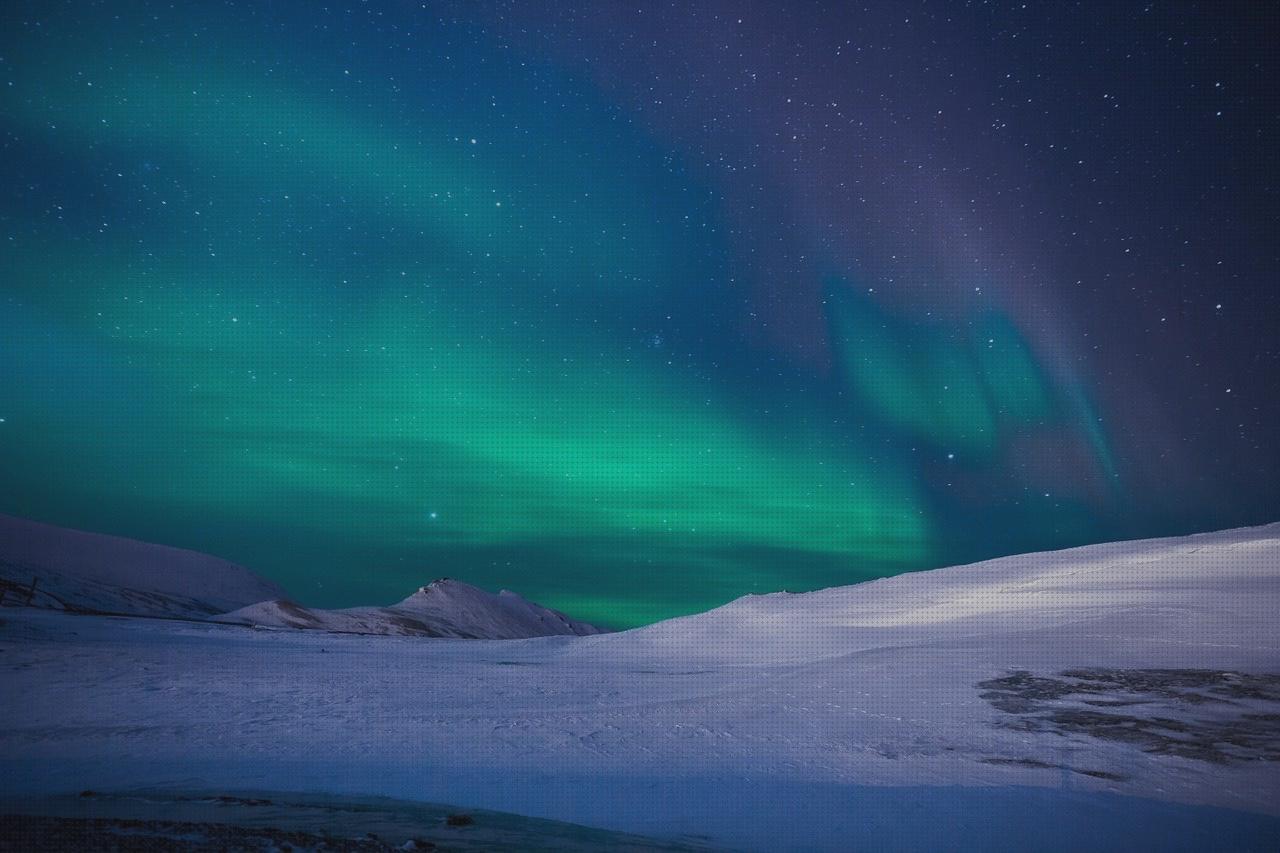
<point>1117,697</point>
<point>210,823</point>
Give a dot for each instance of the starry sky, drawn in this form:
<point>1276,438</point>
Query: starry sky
<point>636,308</point>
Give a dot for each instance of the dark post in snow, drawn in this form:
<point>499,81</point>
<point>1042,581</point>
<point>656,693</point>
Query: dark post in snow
<point>18,589</point>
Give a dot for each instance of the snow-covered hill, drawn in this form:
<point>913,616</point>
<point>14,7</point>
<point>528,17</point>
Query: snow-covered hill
<point>77,570</point>
<point>1115,697</point>
<point>443,608</point>
<point>1176,599</point>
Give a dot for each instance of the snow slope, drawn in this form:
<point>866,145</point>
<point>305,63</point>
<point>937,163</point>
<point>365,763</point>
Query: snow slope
<point>74,569</point>
<point>1115,697</point>
<point>443,608</point>
<point>1188,595</point>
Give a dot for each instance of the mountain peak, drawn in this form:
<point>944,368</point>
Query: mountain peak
<point>443,608</point>
<point>445,586</point>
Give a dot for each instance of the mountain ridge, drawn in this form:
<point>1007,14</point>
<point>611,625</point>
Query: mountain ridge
<point>79,571</point>
<point>443,608</point>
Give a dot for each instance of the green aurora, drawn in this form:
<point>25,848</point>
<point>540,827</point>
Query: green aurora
<point>357,337</point>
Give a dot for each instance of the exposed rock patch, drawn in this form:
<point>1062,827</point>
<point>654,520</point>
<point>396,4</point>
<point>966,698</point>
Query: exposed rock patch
<point>1206,715</point>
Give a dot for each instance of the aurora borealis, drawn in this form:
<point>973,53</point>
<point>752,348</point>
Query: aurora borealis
<point>634,310</point>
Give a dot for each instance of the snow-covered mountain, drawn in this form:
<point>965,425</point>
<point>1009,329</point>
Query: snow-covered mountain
<point>77,570</point>
<point>1119,697</point>
<point>443,608</point>
<point>92,572</point>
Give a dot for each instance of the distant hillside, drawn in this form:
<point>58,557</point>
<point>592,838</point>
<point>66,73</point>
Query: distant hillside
<point>76,570</point>
<point>443,608</point>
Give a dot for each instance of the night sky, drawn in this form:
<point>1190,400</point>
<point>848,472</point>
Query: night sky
<point>637,308</point>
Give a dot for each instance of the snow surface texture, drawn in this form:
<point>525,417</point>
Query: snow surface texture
<point>1114,697</point>
<point>89,571</point>
<point>443,608</point>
